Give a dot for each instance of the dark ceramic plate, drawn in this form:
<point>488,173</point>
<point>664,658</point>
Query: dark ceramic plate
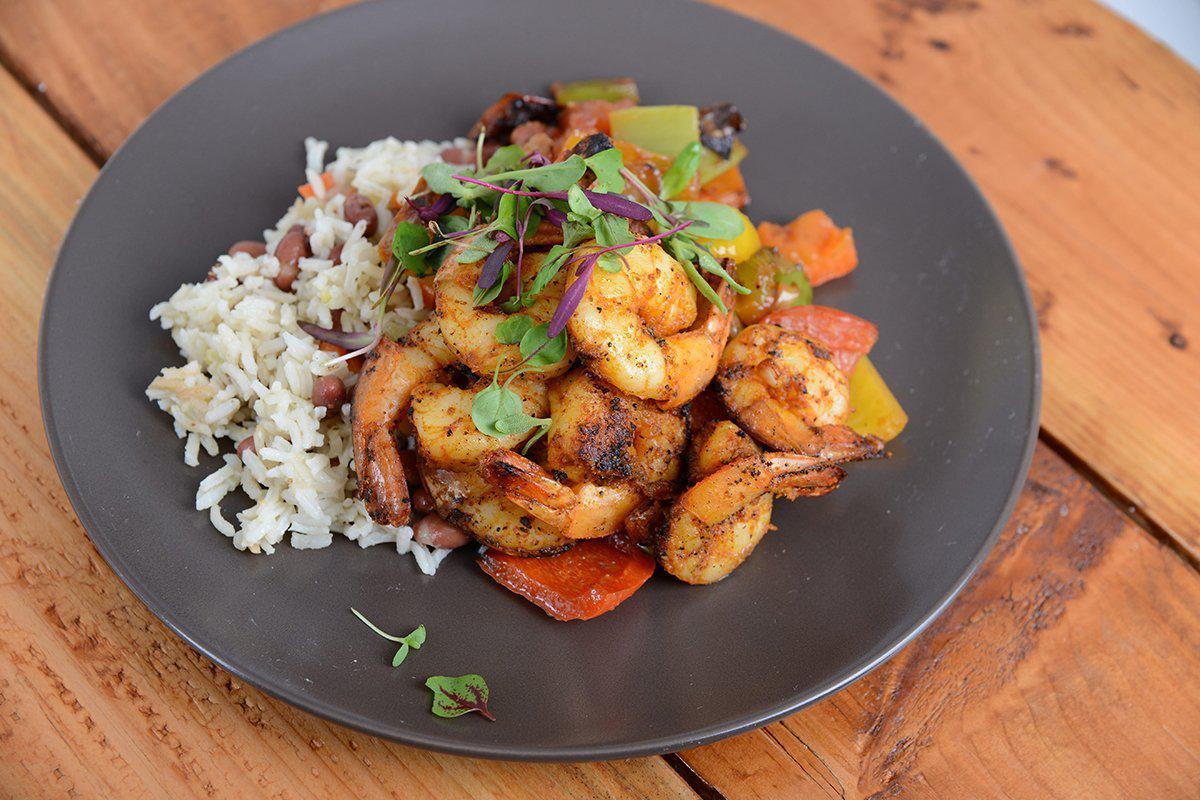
<point>846,581</point>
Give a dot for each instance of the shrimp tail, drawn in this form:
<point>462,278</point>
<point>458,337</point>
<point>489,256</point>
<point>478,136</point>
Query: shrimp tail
<point>529,486</point>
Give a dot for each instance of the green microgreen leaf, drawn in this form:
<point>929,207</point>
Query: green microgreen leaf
<point>481,297</point>
<point>713,220</point>
<point>682,170</point>
<point>453,223</point>
<point>439,177</point>
<point>683,254</point>
<point>556,177</point>
<point>612,230</point>
<point>580,206</point>
<point>512,329</point>
<point>553,262</point>
<point>410,236</point>
<point>453,697</point>
<point>606,166</point>
<point>477,247</point>
<point>539,351</point>
<point>576,233</point>
<point>506,215</point>
<point>504,159</point>
<point>412,641</point>
<point>493,404</point>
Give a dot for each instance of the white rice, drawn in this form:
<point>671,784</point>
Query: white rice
<point>250,368</point>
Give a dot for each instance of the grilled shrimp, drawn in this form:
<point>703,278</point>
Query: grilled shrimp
<point>643,330</point>
<point>467,501</point>
<point>580,511</point>
<point>601,433</point>
<point>715,525</point>
<point>393,370</point>
<point>447,436</point>
<point>470,330</point>
<point>787,392</point>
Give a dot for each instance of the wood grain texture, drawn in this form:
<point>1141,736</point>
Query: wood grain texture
<point>1083,132</point>
<point>1065,670</point>
<point>1068,670</point>
<point>97,698</point>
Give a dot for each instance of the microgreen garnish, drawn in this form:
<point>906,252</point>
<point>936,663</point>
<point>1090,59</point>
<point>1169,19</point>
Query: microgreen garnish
<point>410,236</point>
<point>497,410</point>
<point>453,697</point>
<point>412,641</point>
<point>713,220</point>
<point>512,329</point>
<point>682,170</point>
<point>606,166</point>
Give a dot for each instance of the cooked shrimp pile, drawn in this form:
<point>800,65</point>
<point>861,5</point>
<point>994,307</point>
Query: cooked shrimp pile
<point>616,355</point>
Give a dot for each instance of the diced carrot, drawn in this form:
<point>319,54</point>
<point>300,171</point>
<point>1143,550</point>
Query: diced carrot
<point>848,337</point>
<point>729,188</point>
<point>306,189</point>
<point>591,578</point>
<point>815,242</point>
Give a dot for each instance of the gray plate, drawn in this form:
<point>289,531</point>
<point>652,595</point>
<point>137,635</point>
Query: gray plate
<point>847,580</point>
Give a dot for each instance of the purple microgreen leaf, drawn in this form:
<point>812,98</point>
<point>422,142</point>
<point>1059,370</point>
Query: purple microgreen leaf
<point>535,159</point>
<point>617,204</point>
<point>453,697</point>
<point>431,211</point>
<point>571,297</point>
<point>495,260</point>
<point>347,340</point>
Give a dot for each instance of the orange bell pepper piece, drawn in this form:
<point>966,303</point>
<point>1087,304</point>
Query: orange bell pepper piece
<point>306,189</point>
<point>816,243</point>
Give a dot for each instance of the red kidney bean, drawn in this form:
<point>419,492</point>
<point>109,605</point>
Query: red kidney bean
<point>359,209</point>
<point>290,249</point>
<point>422,501</point>
<point>335,253</point>
<point>251,247</point>
<point>246,444</point>
<point>330,392</point>
<point>434,531</point>
<point>458,155</point>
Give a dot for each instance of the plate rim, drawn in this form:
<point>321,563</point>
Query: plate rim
<point>632,748</point>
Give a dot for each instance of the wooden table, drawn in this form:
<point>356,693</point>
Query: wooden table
<point>1069,668</point>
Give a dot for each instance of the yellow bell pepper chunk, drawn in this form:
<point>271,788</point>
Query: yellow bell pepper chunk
<point>739,248</point>
<point>876,410</point>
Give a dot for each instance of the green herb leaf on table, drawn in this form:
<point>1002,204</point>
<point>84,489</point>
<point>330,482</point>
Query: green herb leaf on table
<point>606,166</point>
<point>682,170</point>
<point>410,236</point>
<point>412,641</point>
<point>713,220</point>
<point>512,329</point>
<point>453,697</point>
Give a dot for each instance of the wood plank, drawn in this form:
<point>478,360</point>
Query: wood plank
<point>1083,132</point>
<point>99,699</point>
<point>1065,670</point>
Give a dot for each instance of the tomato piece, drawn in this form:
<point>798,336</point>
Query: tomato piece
<point>591,578</point>
<point>815,242</point>
<point>590,115</point>
<point>848,337</point>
